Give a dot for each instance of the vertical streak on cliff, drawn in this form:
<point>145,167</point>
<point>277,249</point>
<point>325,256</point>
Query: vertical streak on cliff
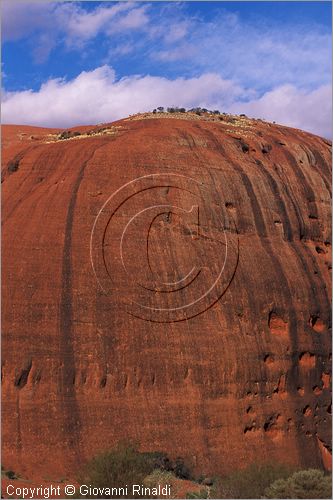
<point>266,244</point>
<point>287,231</point>
<point>301,258</point>
<point>308,191</point>
<point>70,410</point>
<point>320,166</point>
<point>232,364</point>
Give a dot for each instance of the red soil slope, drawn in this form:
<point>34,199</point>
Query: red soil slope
<point>98,346</point>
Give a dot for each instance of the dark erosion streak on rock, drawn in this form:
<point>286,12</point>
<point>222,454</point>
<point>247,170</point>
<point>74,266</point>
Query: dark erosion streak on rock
<point>261,230</point>
<point>248,379</point>
<point>71,414</point>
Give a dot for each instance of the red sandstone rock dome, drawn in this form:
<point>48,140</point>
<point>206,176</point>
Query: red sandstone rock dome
<point>166,280</point>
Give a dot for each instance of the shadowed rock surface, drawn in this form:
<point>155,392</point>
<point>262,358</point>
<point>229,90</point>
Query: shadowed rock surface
<point>247,377</point>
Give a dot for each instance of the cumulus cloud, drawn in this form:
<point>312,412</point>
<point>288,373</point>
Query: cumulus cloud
<point>97,96</point>
<point>263,68</point>
<point>307,110</point>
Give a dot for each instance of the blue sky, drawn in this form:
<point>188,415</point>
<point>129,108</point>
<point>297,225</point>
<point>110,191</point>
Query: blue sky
<point>67,63</point>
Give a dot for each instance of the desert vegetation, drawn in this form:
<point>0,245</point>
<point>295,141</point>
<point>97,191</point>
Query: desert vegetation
<point>198,110</point>
<point>196,113</point>
<point>125,465</point>
<point>250,482</point>
<point>160,112</point>
<point>311,483</point>
<point>76,134</point>
<point>68,134</point>
<point>272,481</point>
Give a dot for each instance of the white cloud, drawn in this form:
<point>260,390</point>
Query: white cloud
<point>20,19</point>
<point>84,25</point>
<point>307,110</point>
<point>278,72</point>
<point>135,19</point>
<point>253,53</point>
<point>177,31</point>
<point>53,22</point>
<point>97,96</point>
<point>183,51</point>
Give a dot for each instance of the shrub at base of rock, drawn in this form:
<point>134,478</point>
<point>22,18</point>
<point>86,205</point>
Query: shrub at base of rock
<point>310,483</point>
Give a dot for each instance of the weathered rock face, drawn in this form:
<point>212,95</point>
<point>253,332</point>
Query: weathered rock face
<point>190,311</point>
